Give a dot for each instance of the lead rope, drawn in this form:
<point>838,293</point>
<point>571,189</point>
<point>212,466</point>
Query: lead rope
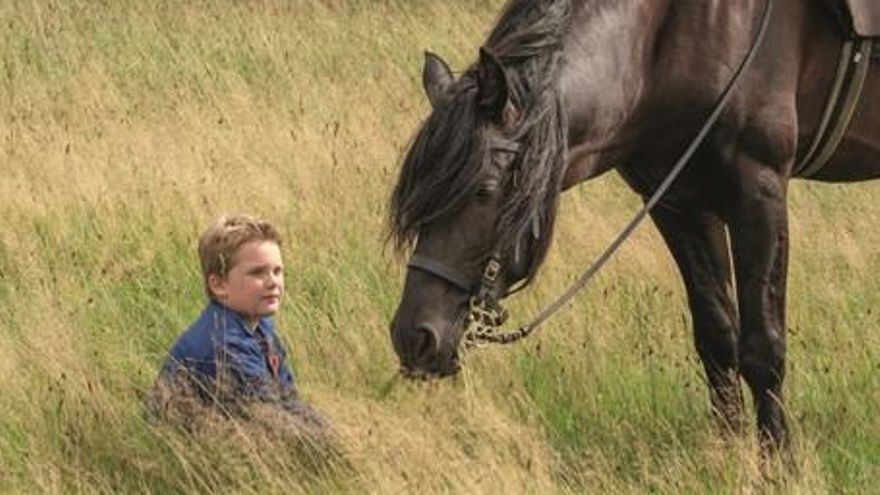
<point>482,322</point>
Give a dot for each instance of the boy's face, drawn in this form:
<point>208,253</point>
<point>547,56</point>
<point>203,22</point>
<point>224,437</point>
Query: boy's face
<point>255,283</point>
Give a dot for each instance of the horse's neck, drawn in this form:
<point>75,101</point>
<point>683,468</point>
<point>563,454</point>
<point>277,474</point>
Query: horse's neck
<point>606,52</point>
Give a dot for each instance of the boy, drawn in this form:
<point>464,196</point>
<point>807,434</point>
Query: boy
<point>231,356</point>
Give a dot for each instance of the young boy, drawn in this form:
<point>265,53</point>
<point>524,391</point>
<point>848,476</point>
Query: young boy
<point>231,356</point>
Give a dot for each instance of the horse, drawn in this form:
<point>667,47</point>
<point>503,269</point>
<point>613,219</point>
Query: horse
<point>563,91</point>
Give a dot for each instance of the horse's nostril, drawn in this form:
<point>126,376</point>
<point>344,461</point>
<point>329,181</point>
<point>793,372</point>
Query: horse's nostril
<point>424,343</point>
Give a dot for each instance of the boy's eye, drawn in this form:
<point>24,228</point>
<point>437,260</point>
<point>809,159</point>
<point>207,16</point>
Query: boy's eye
<point>263,271</point>
<point>255,273</point>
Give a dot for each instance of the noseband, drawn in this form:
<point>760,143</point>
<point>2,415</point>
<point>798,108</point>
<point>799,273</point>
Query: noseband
<point>485,315</point>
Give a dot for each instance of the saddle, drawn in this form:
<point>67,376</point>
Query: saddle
<point>865,15</point>
<point>857,18</point>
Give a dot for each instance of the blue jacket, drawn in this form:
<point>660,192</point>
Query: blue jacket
<point>219,355</point>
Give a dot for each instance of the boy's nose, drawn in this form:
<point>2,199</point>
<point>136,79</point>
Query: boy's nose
<point>275,280</point>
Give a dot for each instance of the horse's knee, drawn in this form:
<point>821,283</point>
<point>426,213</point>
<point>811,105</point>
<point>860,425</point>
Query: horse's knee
<point>762,360</point>
<point>715,337</point>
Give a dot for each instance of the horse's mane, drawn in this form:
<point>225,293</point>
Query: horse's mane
<point>439,171</point>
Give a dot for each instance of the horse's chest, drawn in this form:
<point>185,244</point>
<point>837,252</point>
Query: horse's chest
<point>697,187</point>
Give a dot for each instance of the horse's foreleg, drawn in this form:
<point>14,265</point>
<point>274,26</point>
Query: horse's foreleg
<point>759,232</point>
<point>698,243</point>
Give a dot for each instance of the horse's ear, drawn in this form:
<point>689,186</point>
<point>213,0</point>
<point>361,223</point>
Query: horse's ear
<point>436,78</point>
<point>493,88</point>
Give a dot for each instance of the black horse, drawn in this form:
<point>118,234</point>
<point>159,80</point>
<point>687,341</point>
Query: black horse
<point>565,90</point>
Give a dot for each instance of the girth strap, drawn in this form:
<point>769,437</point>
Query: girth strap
<point>845,92</point>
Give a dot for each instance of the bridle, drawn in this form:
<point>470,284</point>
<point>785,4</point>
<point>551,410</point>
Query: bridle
<point>486,315</point>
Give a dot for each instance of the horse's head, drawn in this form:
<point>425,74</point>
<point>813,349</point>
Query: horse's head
<point>472,206</point>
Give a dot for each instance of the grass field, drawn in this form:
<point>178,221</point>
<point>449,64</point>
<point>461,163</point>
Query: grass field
<point>125,127</point>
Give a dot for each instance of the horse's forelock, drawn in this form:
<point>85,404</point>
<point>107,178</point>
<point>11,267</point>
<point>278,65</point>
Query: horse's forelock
<point>440,167</point>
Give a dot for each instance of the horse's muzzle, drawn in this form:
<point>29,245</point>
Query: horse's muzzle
<point>426,352</point>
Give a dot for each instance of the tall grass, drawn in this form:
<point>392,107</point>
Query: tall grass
<point>126,126</point>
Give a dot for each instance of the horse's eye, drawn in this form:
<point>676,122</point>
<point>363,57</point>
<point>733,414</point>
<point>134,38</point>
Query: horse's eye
<point>485,192</point>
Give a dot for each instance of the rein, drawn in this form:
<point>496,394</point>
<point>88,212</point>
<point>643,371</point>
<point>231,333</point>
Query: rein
<point>485,314</point>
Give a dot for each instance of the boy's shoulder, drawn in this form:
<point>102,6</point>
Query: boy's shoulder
<point>218,318</point>
<point>216,323</point>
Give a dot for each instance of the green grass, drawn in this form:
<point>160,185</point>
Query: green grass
<point>125,127</point>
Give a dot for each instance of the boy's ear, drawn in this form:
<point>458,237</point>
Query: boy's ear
<point>217,284</point>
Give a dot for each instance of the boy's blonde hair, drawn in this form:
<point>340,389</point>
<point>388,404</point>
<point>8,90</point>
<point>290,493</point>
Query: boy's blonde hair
<point>219,244</point>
